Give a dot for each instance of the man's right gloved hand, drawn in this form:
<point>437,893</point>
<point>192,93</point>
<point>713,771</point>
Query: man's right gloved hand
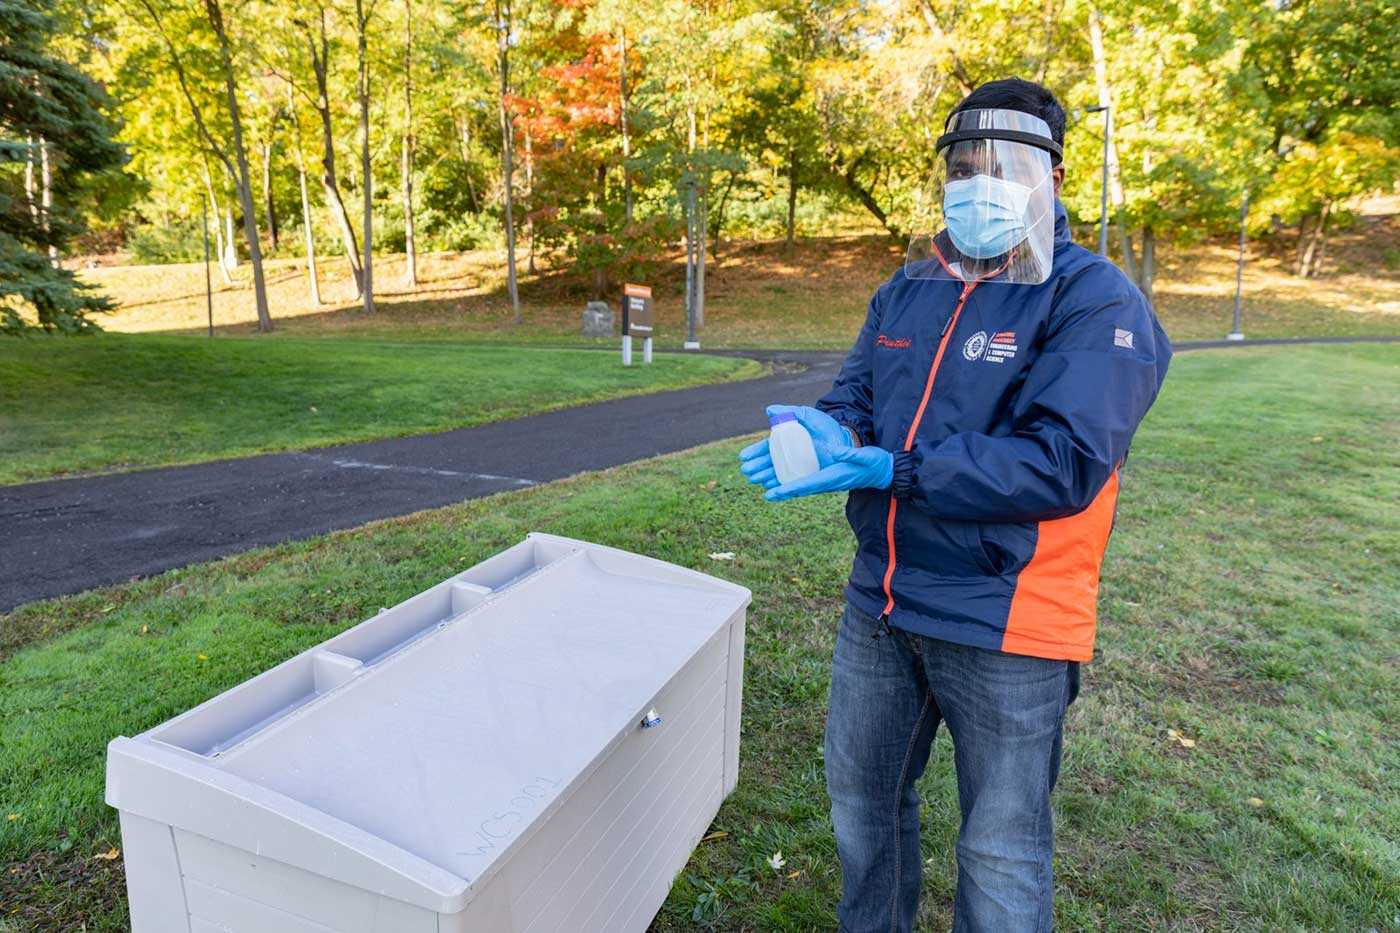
<point>827,437</point>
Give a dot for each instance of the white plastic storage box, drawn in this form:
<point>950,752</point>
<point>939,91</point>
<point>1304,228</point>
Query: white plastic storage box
<point>483,757</point>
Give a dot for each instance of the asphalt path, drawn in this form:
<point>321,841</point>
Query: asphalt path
<point>65,536</point>
<point>68,535</point>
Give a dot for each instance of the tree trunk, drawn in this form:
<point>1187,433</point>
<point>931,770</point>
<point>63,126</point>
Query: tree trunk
<point>362,87</point>
<point>1049,47</point>
<point>410,255</point>
<point>1301,248</point>
<point>719,219</point>
<point>230,256</point>
<point>792,198</point>
<point>271,210</point>
<point>464,142</point>
<point>310,240</point>
<point>503,29</point>
<point>850,178</point>
<point>1148,270</point>
<point>1125,240</point>
<point>626,139</point>
<point>341,218</point>
<point>1312,253</point>
<point>29,181</point>
<point>245,186</point>
<point>530,193</point>
<point>305,200</point>
<point>217,212</point>
<point>46,196</point>
<point>600,202</point>
<point>942,39</point>
<point>1319,257</point>
<point>245,189</point>
<point>320,65</point>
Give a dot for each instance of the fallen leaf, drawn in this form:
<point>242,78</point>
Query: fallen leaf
<point>1254,802</point>
<point>1185,742</point>
<point>776,861</point>
<point>204,657</point>
<point>313,410</point>
<point>108,855</point>
<point>12,817</point>
<point>145,629</point>
<point>711,484</point>
<point>722,555</point>
<point>795,873</point>
<point>1317,439</point>
<point>717,835</point>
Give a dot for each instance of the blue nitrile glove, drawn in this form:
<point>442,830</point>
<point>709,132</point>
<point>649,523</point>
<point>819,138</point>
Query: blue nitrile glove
<point>827,437</point>
<point>853,468</point>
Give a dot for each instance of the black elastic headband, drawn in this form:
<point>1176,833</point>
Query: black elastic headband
<point>1056,151</point>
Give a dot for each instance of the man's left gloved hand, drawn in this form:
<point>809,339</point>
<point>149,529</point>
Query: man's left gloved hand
<point>842,465</point>
<point>756,463</point>
<point>851,468</point>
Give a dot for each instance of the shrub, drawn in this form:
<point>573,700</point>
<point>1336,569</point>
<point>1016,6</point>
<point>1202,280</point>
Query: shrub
<point>177,241</point>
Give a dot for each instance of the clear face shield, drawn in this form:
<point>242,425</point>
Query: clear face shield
<point>989,212</point>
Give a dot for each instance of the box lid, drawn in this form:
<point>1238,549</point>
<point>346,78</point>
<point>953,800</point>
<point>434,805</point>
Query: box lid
<point>435,753</point>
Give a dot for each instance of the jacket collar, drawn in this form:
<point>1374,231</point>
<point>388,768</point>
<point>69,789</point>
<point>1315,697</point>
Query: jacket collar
<point>1061,223</point>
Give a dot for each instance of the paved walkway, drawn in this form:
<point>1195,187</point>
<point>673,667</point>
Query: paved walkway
<point>66,536</point>
<point>69,535</point>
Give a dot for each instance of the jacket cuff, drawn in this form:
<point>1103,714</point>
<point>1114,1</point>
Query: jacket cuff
<point>905,470</point>
<point>851,418</point>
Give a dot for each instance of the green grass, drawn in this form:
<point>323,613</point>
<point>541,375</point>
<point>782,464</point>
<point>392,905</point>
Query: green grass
<point>114,401</point>
<point>1251,601</point>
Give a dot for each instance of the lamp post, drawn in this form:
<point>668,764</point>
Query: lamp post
<point>690,342</point>
<point>1103,199</point>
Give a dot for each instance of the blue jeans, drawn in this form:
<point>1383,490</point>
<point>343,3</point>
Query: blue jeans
<point>889,690</point>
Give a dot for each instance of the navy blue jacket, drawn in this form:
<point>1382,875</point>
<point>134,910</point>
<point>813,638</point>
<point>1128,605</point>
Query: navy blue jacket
<point>1009,409</point>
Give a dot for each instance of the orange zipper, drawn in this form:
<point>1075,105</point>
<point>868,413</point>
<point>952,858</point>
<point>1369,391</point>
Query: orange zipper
<point>914,427</point>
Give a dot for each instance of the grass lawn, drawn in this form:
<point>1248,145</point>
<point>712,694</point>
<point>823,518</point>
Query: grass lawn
<point>117,401</point>
<point>759,296</point>
<point>1251,603</point>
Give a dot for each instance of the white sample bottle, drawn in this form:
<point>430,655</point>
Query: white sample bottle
<point>791,448</point>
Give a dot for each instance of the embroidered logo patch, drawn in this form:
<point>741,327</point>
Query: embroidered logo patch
<point>899,344</point>
<point>1122,338</point>
<point>976,345</point>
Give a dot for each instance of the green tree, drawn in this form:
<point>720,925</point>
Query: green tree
<point>1329,71</point>
<point>51,113</point>
<point>1187,132</point>
<point>196,42</point>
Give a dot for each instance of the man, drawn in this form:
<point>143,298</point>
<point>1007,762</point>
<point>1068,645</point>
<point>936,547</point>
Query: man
<point>980,424</point>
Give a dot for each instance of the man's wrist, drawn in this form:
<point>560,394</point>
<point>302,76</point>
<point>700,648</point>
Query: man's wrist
<point>855,437</point>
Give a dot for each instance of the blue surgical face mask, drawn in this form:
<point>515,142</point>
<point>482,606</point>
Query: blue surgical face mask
<point>985,215</point>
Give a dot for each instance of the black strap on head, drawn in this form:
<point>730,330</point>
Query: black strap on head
<point>1056,151</point>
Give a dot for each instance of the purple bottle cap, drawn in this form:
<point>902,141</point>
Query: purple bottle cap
<point>780,417</point>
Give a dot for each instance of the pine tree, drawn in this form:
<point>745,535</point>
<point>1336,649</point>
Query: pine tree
<point>48,110</point>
